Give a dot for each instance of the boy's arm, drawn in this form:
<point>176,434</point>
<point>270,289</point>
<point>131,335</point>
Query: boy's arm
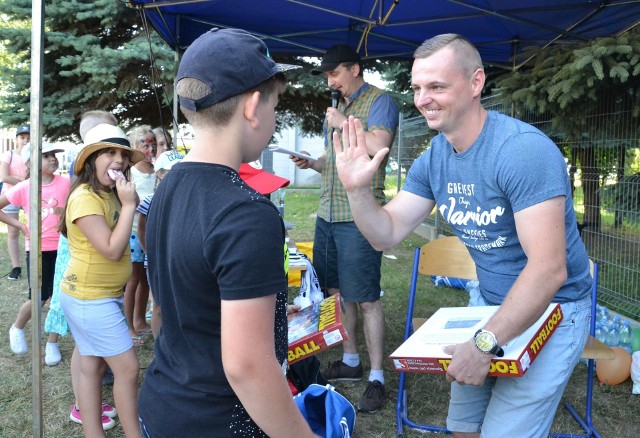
<point>248,357</point>
<point>5,174</point>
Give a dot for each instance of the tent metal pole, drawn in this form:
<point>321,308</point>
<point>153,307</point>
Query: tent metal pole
<point>175,102</point>
<point>160,4</point>
<point>35,229</point>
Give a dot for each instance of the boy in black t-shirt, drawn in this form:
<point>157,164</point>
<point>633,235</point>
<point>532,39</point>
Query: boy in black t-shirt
<point>216,254</point>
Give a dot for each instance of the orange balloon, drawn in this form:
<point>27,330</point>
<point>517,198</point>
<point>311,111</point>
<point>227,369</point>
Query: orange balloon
<point>614,371</point>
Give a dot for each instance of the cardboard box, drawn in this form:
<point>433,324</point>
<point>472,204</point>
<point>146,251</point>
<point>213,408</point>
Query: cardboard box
<point>422,352</point>
<point>316,328</point>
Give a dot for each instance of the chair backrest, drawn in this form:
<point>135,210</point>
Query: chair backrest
<point>448,257</point>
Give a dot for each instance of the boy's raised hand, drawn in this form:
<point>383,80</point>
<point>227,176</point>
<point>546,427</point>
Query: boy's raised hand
<point>355,168</point>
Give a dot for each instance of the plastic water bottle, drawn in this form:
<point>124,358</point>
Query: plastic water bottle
<point>279,201</point>
<point>602,316</point>
<point>626,336</point>
<point>603,313</point>
<point>473,287</point>
<point>618,321</point>
<point>601,333</point>
<point>613,335</point>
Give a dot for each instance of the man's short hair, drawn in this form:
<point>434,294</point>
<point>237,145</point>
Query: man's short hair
<point>93,118</point>
<point>467,55</point>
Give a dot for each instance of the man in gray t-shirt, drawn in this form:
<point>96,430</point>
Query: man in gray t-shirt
<point>503,187</point>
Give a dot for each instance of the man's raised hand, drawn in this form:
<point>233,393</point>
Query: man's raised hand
<point>355,168</point>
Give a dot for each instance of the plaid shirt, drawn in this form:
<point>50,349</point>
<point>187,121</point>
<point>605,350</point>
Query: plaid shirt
<point>334,204</point>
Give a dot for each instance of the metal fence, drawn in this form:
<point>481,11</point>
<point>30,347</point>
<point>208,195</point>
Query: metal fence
<point>604,166</point>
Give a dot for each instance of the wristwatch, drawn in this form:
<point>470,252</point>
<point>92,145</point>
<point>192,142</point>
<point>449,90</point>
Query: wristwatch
<point>487,343</point>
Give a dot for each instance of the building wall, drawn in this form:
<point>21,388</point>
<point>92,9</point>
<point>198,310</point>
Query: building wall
<point>281,165</point>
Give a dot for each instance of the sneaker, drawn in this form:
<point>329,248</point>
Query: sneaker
<point>17,341</point>
<point>107,422</point>
<point>109,410</point>
<point>107,378</point>
<point>339,370</point>
<point>373,398</point>
<point>52,355</point>
<point>14,274</point>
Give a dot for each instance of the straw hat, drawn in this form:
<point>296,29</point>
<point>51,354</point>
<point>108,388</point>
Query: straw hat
<point>105,136</point>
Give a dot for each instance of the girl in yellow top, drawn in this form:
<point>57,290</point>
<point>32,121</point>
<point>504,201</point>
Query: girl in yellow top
<point>97,222</point>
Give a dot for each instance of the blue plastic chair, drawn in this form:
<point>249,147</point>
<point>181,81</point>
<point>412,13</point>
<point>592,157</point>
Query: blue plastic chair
<point>447,257</point>
<point>592,351</point>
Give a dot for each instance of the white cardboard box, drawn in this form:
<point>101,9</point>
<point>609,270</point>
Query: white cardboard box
<point>422,352</point>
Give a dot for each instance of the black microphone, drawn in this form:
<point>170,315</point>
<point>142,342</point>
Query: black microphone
<point>335,97</point>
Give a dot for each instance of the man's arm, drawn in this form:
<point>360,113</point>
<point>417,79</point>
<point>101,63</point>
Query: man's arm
<point>248,357</point>
<point>301,163</point>
<point>375,139</point>
<point>541,233</point>
<point>382,226</point>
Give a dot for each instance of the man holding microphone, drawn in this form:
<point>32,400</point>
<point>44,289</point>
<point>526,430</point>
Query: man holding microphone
<point>343,258</point>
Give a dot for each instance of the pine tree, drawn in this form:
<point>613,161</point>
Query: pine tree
<point>566,83</point>
<point>96,57</point>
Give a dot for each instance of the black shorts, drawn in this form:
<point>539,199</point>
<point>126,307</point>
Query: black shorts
<point>48,271</point>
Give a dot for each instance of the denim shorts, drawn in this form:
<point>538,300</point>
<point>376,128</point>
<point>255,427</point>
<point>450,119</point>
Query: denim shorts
<point>345,260</point>
<point>11,209</point>
<point>524,406</point>
<point>47,274</point>
<point>137,254</point>
<point>98,326</point>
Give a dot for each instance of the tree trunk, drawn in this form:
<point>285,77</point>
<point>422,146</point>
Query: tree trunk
<point>622,155</point>
<point>590,185</point>
<point>572,171</point>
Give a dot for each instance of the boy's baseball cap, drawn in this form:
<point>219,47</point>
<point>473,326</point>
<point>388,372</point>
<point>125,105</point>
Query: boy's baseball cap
<point>262,182</point>
<point>230,62</point>
<point>335,56</point>
<point>23,129</point>
<point>104,136</point>
<point>167,159</point>
<point>46,148</point>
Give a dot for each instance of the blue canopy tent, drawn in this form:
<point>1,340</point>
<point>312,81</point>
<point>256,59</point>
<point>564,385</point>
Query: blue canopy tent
<point>501,29</point>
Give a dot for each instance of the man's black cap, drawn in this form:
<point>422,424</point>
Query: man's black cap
<point>335,56</point>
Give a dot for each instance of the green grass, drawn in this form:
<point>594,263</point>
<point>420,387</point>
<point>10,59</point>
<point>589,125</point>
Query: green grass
<point>616,412</point>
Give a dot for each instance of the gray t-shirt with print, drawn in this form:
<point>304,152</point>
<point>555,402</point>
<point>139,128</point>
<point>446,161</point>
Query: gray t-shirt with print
<point>510,166</point>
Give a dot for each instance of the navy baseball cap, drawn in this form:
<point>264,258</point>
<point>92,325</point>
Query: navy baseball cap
<point>335,56</point>
<point>230,62</point>
<point>23,129</point>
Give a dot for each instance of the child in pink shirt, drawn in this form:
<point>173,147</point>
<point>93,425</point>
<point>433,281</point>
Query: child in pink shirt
<point>55,189</point>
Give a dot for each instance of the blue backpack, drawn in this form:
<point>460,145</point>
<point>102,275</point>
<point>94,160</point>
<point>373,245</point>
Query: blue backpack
<point>328,412</point>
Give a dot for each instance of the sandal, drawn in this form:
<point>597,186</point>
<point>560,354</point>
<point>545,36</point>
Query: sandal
<point>137,341</point>
<point>144,332</point>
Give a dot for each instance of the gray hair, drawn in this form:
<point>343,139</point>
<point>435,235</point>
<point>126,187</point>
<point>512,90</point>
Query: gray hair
<point>466,54</point>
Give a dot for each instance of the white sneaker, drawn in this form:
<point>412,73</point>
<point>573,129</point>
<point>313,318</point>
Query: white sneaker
<point>52,355</point>
<point>17,341</point>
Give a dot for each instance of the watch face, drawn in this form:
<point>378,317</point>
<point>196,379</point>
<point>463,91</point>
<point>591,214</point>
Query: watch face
<point>485,341</point>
